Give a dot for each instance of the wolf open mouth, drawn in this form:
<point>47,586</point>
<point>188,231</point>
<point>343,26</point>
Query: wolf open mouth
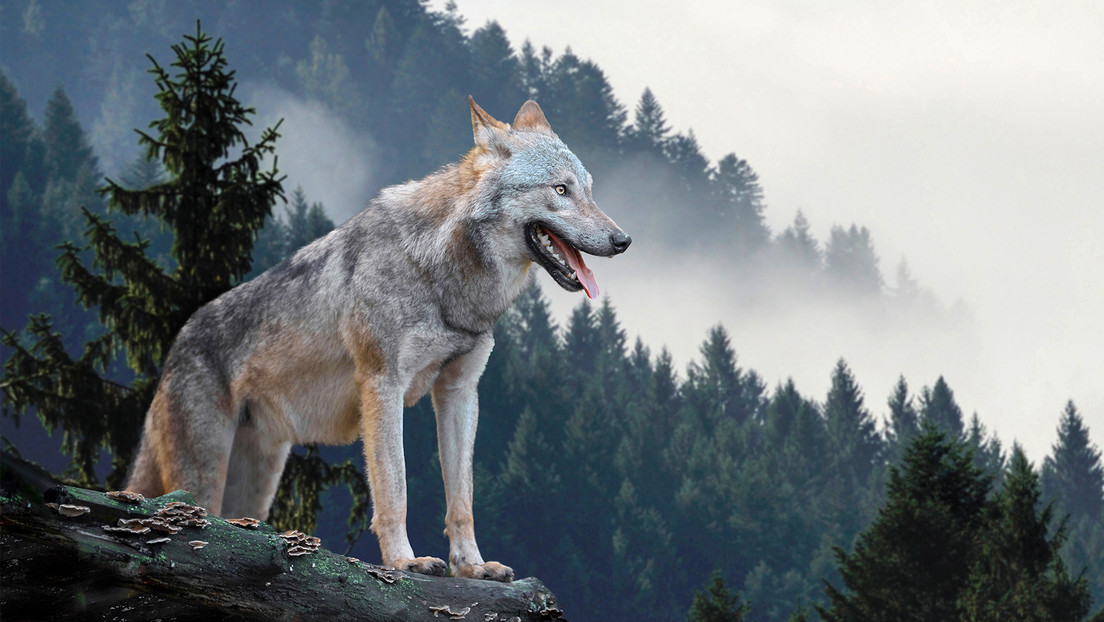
<point>562,260</point>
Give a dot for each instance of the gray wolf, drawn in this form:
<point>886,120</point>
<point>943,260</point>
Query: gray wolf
<point>398,301</point>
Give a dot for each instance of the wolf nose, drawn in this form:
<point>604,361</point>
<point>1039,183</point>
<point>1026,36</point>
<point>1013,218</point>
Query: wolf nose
<point>620,241</point>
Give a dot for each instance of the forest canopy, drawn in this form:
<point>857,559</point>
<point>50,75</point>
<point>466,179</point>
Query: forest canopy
<point>601,467</point>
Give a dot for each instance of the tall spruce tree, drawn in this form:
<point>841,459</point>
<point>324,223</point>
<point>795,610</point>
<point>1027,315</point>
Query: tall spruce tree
<point>67,148</point>
<point>1073,475</point>
<point>649,132</point>
<point>19,133</point>
<point>987,450</point>
<point>495,71</point>
<point>938,407</point>
<point>740,204</point>
<point>716,604</point>
<point>850,261</point>
<point>215,199</point>
<point>855,441</point>
<point>799,249</point>
<point>913,560</point>
<point>1017,572</point>
<point>904,421</point>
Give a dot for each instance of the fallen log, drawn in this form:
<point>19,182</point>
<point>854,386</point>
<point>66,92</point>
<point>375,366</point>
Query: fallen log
<point>73,553</point>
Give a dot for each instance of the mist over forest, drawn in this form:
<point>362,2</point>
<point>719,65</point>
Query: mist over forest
<point>748,391</point>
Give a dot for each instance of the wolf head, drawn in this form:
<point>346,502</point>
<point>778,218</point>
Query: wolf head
<point>546,194</point>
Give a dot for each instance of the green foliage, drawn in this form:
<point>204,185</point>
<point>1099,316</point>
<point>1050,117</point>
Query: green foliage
<point>942,548</point>
<point>215,198</point>
<point>740,204</point>
<point>649,131</point>
<point>911,562</point>
<point>904,421</point>
<point>306,476</point>
<point>715,604</point>
<point>67,149</point>
<point>938,408</point>
<point>1018,573</point>
<point>856,445</point>
<point>1073,474</point>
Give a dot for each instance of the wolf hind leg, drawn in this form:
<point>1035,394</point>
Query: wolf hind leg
<point>145,473</point>
<point>185,443</point>
<point>256,464</point>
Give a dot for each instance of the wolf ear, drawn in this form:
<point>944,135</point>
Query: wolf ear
<point>489,132</point>
<point>531,117</point>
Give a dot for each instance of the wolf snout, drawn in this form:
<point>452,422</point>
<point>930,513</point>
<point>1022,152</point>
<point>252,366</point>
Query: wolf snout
<point>620,241</point>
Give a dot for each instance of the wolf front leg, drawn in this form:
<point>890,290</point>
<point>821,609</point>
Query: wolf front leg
<point>456,404</point>
<point>381,424</point>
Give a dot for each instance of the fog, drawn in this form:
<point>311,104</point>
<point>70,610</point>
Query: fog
<point>965,135</point>
<point>316,150</point>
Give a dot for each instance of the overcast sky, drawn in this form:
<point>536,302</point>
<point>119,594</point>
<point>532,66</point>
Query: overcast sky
<point>967,135</point>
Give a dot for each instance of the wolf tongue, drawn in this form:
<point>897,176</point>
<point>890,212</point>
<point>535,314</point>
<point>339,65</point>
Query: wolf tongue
<point>575,260</point>
<point>582,272</point>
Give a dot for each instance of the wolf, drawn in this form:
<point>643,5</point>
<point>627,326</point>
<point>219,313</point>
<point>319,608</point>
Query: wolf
<point>398,301</point>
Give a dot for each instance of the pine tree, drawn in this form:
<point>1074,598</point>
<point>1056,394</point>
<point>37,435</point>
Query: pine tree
<point>799,249</point>
<point>904,421</point>
<point>214,200</point>
<point>434,60</point>
<point>67,148</point>
<point>938,407</point>
<point>649,132</point>
<point>715,604</point>
<point>692,172</point>
<point>17,152</point>
<point>1072,474</point>
<point>582,107</point>
<point>1017,573</point>
<point>740,203</point>
<point>72,169</point>
<point>581,345</point>
<point>719,389</point>
<point>611,361</point>
<point>850,261</point>
<point>305,223</point>
<point>325,78</point>
<point>988,456</point>
<point>855,442</point>
<point>535,70</point>
<point>495,71</point>
<point>912,561</point>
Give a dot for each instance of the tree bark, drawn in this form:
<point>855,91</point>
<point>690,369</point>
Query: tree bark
<point>59,567</point>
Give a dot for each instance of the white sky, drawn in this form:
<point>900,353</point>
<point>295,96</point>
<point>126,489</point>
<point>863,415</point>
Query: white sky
<point>967,135</point>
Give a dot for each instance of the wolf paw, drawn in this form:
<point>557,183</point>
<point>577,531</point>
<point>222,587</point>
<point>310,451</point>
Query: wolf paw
<point>489,571</point>
<point>421,565</point>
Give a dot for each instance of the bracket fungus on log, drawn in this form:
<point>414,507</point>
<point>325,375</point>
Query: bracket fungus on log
<point>244,573</point>
<point>72,511</point>
<point>125,496</point>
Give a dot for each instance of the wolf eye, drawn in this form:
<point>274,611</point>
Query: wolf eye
<point>561,189</point>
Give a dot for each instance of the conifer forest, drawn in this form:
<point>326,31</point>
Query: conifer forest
<point>612,473</point>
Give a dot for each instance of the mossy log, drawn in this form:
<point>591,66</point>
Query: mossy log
<point>57,566</point>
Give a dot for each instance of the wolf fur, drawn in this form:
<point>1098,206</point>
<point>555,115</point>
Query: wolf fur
<point>398,301</point>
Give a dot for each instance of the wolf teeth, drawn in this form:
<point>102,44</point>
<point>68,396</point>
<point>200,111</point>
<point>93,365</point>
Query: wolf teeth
<point>545,241</point>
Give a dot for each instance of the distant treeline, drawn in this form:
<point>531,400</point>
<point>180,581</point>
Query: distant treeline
<point>399,73</point>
